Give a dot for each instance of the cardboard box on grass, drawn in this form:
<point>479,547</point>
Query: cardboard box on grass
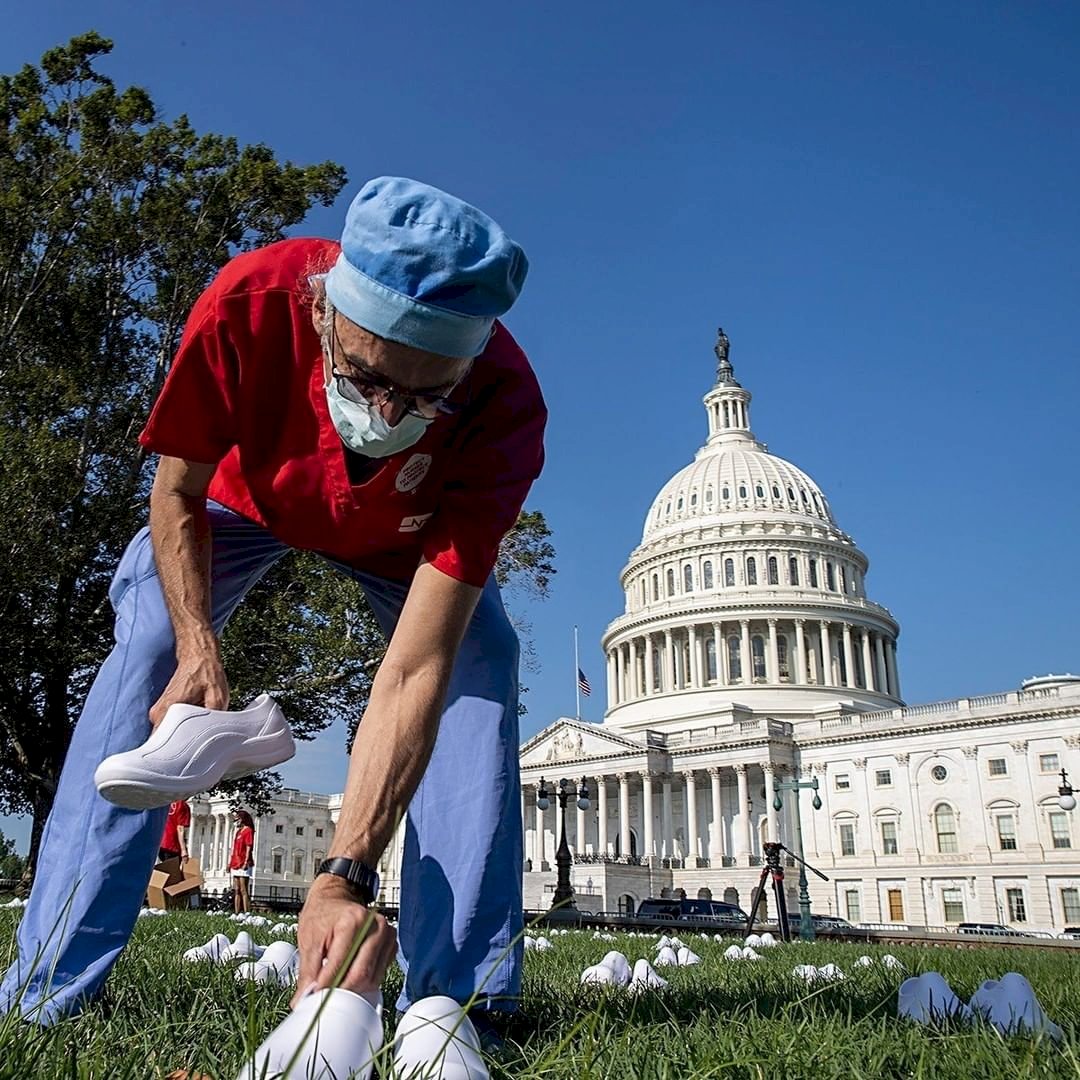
<point>173,887</point>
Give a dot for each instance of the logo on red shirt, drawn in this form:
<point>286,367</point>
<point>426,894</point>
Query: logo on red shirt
<point>412,473</point>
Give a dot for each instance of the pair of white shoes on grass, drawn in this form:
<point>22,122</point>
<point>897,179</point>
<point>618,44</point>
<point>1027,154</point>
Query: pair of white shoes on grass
<point>1008,1004</point>
<point>278,964</point>
<point>193,750</point>
<point>668,957</point>
<point>736,952</point>
<point>220,950</point>
<point>336,1034</point>
<point>614,970</point>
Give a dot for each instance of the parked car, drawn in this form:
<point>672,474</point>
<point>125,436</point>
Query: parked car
<point>729,915</point>
<point>988,928</point>
<point>823,924</point>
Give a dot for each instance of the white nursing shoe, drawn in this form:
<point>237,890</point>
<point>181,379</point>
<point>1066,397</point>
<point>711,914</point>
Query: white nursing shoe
<point>337,1040</point>
<point>435,1040</point>
<point>193,750</point>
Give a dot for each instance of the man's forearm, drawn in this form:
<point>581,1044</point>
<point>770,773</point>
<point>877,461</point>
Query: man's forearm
<point>390,753</point>
<point>180,533</point>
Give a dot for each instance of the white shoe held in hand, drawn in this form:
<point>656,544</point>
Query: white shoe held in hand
<point>193,750</point>
<point>332,1034</point>
<point>1011,1006</point>
<point>928,998</point>
<point>435,1040</point>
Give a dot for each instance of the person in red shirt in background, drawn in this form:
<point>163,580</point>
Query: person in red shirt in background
<point>242,861</point>
<point>174,838</point>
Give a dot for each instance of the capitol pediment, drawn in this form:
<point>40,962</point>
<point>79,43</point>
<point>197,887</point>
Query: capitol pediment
<point>569,740</point>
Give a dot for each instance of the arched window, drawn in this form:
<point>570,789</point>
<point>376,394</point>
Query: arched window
<point>775,492</point>
<point>757,648</point>
<point>725,493</point>
<point>774,572</point>
<point>843,579</point>
<point>945,827</point>
<point>727,415</point>
<point>298,863</point>
<point>693,498</point>
<point>688,578</point>
<point>813,574</point>
<point>729,572</point>
<point>644,594</point>
<point>759,491</point>
<point>805,500</point>
<point>830,577</point>
<point>742,491</point>
<point>710,660</point>
<point>782,654</point>
<point>708,495</point>
<point>751,571</point>
<point>734,651</point>
<point>667,508</point>
<point>706,574</point>
<point>790,493</point>
<point>656,586</point>
<point>679,504</point>
<point>793,570</point>
<point>657,669</point>
<point>670,582</point>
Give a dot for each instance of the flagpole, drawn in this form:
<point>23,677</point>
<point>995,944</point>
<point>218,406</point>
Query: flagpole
<point>577,677</point>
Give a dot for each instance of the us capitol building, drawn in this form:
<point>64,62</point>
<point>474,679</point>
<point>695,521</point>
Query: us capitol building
<point>749,650</point>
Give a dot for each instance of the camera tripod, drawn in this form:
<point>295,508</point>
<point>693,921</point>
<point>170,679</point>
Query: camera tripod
<point>775,868</point>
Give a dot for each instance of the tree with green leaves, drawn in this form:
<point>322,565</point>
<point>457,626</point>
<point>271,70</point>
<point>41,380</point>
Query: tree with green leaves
<point>112,221</point>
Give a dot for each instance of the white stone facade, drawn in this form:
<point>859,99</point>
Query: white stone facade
<point>748,650</point>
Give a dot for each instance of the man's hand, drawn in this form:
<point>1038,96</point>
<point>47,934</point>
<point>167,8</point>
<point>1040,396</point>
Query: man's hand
<point>199,680</point>
<point>330,924</point>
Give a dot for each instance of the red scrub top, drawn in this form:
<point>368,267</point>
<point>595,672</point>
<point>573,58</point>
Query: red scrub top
<point>245,392</point>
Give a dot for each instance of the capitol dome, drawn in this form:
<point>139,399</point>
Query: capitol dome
<point>745,589</point>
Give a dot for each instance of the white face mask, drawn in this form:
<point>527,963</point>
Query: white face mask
<point>364,429</point>
<point>361,425</point>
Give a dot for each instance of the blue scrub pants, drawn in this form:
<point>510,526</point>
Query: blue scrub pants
<point>461,909</point>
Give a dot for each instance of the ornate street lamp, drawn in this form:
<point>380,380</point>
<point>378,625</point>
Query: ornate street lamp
<point>562,906</point>
<point>1066,796</point>
<point>806,923</point>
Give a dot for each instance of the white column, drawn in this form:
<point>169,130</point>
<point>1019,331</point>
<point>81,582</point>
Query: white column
<point>650,673</point>
<point>867,661</point>
<point>825,676</point>
<point>668,680</point>
<point>849,655</point>
<point>800,653</point>
<point>624,814</point>
<point>879,667</point>
<point>772,657</point>
<point>601,815</point>
<point>526,853</point>
<point>718,652</point>
<point>716,834</point>
<point>579,833</point>
<point>742,833</point>
<point>648,842</point>
<point>692,850</point>
<point>747,658</point>
<point>890,665</point>
<point>696,681</point>
<point>539,841</point>
<point>611,678</point>
<point>620,673</point>
<point>634,693</point>
<point>667,833</point>
<point>770,810</point>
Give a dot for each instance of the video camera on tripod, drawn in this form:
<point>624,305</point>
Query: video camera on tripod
<point>774,867</point>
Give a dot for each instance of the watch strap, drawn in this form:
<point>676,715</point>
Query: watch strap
<point>362,879</point>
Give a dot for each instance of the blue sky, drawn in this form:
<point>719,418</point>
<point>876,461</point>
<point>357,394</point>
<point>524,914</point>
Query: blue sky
<point>877,202</point>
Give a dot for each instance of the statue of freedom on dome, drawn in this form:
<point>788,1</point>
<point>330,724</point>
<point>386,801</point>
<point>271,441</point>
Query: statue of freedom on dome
<point>722,345</point>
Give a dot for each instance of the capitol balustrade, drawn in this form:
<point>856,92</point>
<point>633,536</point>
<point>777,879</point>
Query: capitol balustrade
<point>773,598</point>
<point>1022,700</point>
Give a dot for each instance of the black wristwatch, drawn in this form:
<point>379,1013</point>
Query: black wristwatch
<point>363,881</point>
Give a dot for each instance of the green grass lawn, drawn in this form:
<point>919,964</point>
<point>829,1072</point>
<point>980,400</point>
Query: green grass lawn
<point>717,1019</point>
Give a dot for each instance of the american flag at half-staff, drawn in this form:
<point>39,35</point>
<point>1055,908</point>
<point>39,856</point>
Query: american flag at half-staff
<point>583,683</point>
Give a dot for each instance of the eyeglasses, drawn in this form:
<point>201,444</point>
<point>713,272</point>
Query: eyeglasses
<point>377,390</point>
